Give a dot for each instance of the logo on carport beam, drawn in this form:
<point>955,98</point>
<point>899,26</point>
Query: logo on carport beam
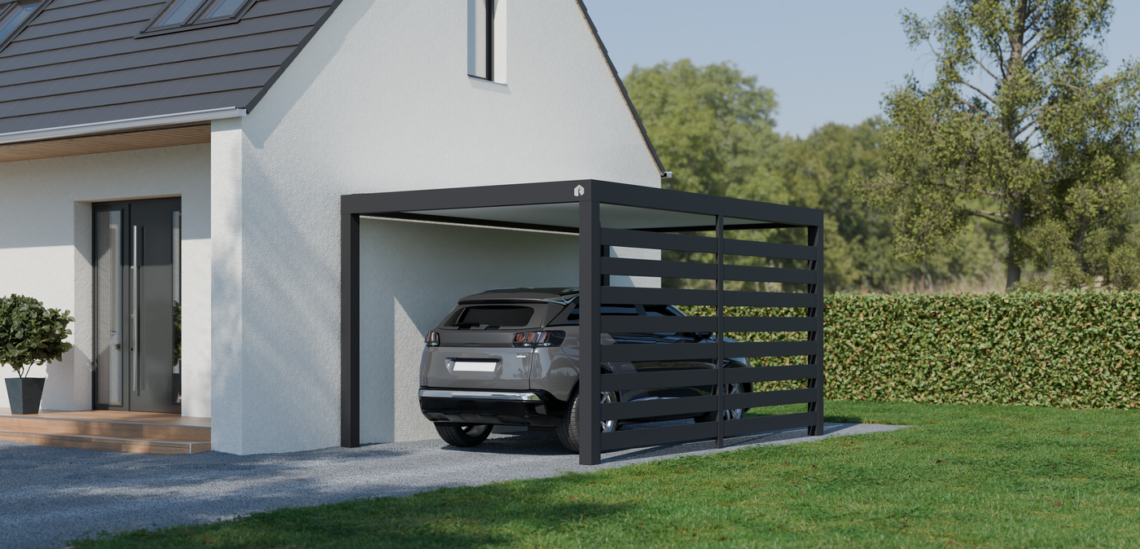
<point>579,191</point>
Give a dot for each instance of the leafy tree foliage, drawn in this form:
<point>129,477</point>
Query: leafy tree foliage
<point>1017,129</point>
<point>815,172</point>
<point>712,126</point>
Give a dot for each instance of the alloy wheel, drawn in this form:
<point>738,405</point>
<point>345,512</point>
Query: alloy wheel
<point>611,425</point>
<point>734,413</point>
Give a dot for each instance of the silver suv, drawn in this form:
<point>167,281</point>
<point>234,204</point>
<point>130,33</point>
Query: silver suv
<point>510,357</point>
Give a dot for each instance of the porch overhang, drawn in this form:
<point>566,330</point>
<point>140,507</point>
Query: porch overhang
<point>148,132</point>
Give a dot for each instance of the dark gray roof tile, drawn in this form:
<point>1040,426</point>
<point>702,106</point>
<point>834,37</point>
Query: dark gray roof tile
<point>82,61</point>
<point>60,12</point>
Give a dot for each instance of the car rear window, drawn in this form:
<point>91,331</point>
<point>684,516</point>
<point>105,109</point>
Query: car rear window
<point>485,316</point>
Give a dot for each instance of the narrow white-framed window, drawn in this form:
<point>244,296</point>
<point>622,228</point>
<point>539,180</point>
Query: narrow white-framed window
<point>486,40</point>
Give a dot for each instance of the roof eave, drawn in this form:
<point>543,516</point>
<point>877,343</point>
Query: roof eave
<point>127,124</point>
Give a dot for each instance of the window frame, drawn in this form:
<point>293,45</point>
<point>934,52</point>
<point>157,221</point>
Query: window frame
<point>7,8</point>
<point>195,20</point>
<point>489,22</point>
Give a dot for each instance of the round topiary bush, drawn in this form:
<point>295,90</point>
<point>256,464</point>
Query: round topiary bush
<point>31,334</point>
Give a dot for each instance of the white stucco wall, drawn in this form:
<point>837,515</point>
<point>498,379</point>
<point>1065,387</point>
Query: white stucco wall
<point>45,252</point>
<point>379,101</point>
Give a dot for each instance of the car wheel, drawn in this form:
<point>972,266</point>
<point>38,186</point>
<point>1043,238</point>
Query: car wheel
<point>568,429</point>
<point>464,435</point>
<point>729,414</point>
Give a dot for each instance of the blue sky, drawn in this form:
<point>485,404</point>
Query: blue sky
<point>827,60</point>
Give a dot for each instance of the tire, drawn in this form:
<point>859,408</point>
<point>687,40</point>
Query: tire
<point>464,436</point>
<point>729,415</point>
<point>568,429</point>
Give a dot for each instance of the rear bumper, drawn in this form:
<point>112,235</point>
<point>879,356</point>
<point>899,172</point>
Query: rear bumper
<point>530,408</point>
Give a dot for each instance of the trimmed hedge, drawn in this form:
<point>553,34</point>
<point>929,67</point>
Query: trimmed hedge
<point>1062,349</point>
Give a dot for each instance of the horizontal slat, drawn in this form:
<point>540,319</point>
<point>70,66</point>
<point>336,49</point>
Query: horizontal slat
<point>770,398</point>
<point>667,351</point>
<point>652,436</point>
<point>649,267</point>
<point>767,299</point>
<point>659,380</point>
<point>768,249</point>
<point>768,324</point>
<point>768,274</point>
<point>768,423</point>
<point>770,348</point>
<point>670,296</point>
<point>658,408</point>
<point>658,324</point>
<point>658,241</point>
<point>761,374</point>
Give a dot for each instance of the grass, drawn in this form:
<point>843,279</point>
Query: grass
<point>962,476</point>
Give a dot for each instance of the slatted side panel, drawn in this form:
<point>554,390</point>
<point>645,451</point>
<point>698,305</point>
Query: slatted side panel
<point>783,377</point>
<point>675,377</point>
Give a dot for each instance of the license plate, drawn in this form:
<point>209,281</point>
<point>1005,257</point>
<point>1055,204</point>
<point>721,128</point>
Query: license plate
<point>472,366</point>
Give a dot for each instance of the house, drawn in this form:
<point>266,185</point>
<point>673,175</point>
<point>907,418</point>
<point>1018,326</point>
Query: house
<point>209,142</point>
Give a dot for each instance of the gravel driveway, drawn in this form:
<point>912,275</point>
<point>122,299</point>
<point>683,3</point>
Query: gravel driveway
<point>51,495</point>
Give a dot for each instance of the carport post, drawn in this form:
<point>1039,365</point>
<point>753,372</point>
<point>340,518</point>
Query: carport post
<point>349,329</point>
<point>815,238</point>
<point>720,388</point>
<point>589,330</point>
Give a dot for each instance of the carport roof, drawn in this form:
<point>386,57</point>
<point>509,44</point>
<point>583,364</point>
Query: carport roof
<point>555,207</point>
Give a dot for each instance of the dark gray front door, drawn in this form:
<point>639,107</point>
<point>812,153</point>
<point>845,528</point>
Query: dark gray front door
<point>138,305</point>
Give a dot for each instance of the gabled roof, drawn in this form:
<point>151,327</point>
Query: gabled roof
<point>83,62</point>
<point>621,86</point>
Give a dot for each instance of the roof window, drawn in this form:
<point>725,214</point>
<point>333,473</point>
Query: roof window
<point>13,16</point>
<point>184,14</point>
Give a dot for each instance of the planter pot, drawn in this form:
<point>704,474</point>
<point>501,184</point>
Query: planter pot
<point>24,394</point>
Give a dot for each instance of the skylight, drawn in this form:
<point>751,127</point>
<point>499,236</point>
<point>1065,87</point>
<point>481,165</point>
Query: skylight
<point>13,15</point>
<point>178,14</point>
<point>219,9</point>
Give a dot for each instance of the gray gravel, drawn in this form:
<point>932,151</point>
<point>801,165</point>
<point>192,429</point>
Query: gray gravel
<point>51,495</point>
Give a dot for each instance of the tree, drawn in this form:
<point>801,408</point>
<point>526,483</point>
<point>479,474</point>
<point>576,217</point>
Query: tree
<point>816,172</point>
<point>711,126</point>
<point>1019,130</point>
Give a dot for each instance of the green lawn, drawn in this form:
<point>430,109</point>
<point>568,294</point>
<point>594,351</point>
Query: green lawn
<point>963,476</point>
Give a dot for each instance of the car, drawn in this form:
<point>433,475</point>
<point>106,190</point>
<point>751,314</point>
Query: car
<point>510,357</point>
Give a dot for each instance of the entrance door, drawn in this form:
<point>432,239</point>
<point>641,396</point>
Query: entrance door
<point>138,312</point>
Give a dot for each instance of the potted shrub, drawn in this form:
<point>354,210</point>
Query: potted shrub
<point>30,335</point>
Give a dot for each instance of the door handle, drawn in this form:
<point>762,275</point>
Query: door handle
<point>135,256</point>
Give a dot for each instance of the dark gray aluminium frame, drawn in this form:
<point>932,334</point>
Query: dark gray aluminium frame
<point>594,268</point>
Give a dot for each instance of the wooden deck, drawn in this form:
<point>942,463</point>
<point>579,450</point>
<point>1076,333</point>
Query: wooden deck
<point>110,430</point>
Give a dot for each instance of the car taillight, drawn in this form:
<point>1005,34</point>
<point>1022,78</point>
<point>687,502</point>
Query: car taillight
<point>539,339</point>
<point>432,339</point>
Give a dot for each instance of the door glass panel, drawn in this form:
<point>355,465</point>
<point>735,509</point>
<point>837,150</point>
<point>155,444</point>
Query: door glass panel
<point>109,308</point>
<point>177,276</point>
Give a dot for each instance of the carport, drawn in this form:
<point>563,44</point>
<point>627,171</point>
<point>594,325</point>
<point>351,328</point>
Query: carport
<point>606,215</point>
